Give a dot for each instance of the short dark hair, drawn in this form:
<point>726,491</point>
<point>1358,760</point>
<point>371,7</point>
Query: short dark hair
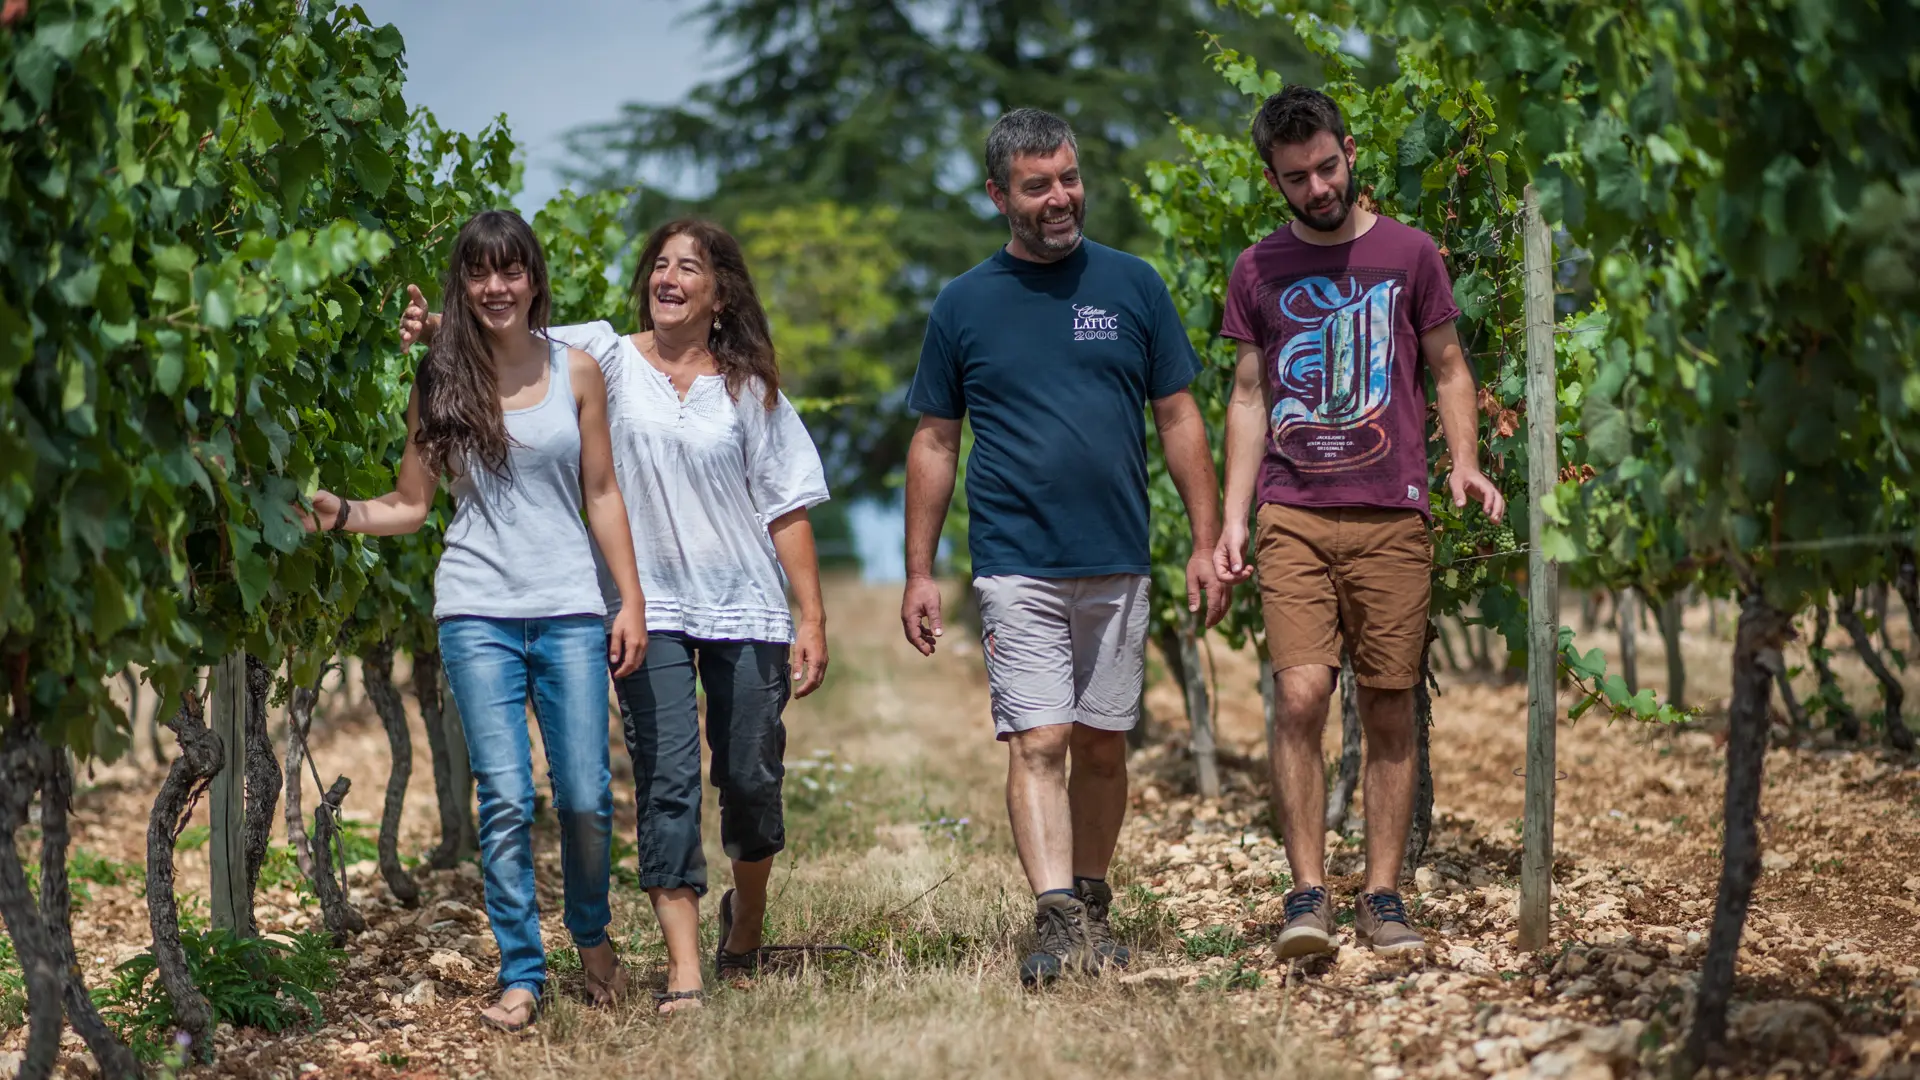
<point>1028,132</point>
<point>1293,116</point>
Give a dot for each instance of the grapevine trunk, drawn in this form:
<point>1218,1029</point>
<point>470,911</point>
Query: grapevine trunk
<point>1756,662</point>
<point>20,768</point>
<point>300,705</point>
<point>457,830</point>
<point>1906,582</point>
<point>1846,722</point>
<point>341,918</point>
<point>1892,696</point>
<point>1667,617</point>
<point>1796,712</point>
<point>376,667</point>
<point>1422,826</point>
<point>56,908</point>
<point>262,780</point>
<point>199,759</point>
<point>1626,618</point>
<point>1340,792</point>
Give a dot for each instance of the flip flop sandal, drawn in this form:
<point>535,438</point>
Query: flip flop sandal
<point>727,965</point>
<point>609,992</point>
<point>533,1017</point>
<point>663,997</point>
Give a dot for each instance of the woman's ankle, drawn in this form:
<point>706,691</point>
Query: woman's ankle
<point>746,934</point>
<point>684,976</point>
<point>599,960</point>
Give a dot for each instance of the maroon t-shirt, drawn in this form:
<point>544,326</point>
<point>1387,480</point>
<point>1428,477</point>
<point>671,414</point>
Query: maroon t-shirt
<point>1339,334</point>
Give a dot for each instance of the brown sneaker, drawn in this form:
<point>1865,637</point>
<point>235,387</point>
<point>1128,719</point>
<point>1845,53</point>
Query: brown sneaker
<point>1380,920</point>
<point>1103,950</point>
<point>1060,925</point>
<point>1309,925</point>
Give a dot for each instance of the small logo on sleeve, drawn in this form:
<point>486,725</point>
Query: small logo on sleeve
<point>1413,492</point>
<point>1094,324</point>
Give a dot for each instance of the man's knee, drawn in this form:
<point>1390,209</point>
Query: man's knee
<point>1386,718</point>
<point>1101,753</point>
<point>1041,748</point>
<point>1302,696</point>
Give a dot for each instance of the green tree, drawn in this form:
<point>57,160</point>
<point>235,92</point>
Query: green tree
<point>588,249</point>
<point>882,107</point>
<point>826,274</point>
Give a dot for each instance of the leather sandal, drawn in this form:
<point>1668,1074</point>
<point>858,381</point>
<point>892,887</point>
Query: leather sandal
<point>533,1011</point>
<point>612,990</point>
<point>665,997</point>
<point>728,965</point>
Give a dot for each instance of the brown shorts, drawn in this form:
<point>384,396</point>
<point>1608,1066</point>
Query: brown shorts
<point>1354,574</point>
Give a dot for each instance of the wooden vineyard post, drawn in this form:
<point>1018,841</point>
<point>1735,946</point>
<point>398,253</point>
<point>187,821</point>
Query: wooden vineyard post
<point>1205,759</point>
<point>1543,631</point>
<point>227,842</point>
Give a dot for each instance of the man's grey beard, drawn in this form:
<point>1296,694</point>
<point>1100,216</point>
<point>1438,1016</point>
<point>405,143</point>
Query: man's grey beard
<point>1338,216</point>
<point>1030,234</point>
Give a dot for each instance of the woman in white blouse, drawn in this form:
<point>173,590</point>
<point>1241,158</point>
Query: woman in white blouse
<point>718,473</point>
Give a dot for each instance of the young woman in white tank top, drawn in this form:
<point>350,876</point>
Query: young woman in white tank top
<point>518,422</point>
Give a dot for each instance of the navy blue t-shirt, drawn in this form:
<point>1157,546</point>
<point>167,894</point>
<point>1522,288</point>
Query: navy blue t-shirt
<point>1054,363</point>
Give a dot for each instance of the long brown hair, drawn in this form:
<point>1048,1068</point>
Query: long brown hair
<point>742,344</point>
<point>461,421</point>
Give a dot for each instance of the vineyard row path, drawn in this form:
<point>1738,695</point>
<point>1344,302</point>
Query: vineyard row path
<point>899,848</point>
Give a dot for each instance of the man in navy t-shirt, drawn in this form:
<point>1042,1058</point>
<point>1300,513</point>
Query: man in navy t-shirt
<point>1053,348</point>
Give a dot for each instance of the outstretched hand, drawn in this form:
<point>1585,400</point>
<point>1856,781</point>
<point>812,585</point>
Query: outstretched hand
<point>326,509</point>
<point>1472,485</point>
<point>416,322</point>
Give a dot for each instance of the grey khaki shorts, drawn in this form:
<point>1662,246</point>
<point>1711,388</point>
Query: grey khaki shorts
<point>1064,650</point>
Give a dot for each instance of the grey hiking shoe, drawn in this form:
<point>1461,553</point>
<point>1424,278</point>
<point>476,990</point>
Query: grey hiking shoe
<point>1309,925</point>
<point>1060,925</point>
<point>1104,951</point>
<point>1380,920</point>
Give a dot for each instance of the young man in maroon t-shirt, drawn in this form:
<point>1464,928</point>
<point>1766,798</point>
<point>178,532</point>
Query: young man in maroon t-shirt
<point>1335,316</point>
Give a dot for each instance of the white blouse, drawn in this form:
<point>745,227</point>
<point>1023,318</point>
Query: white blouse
<point>703,477</point>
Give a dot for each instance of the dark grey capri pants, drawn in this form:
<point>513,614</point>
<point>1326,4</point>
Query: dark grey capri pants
<point>747,688</point>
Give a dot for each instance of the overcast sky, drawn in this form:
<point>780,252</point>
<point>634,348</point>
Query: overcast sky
<point>550,67</point>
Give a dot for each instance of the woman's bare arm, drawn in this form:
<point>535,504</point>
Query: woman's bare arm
<point>400,511</point>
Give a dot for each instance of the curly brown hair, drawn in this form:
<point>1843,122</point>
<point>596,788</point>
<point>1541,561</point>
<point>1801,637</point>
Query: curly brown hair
<point>742,343</point>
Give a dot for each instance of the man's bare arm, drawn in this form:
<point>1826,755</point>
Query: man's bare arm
<point>932,459</point>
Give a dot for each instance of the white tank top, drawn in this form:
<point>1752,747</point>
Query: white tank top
<point>517,547</point>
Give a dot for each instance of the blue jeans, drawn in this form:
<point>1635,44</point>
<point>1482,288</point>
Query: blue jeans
<point>747,686</point>
<point>493,666</point>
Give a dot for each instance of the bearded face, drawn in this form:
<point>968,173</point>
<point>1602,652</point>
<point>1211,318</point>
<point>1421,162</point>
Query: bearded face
<point>1045,204</point>
<point>1053,230</point>
<point>1330,209</point>
<point>1316,178</point>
